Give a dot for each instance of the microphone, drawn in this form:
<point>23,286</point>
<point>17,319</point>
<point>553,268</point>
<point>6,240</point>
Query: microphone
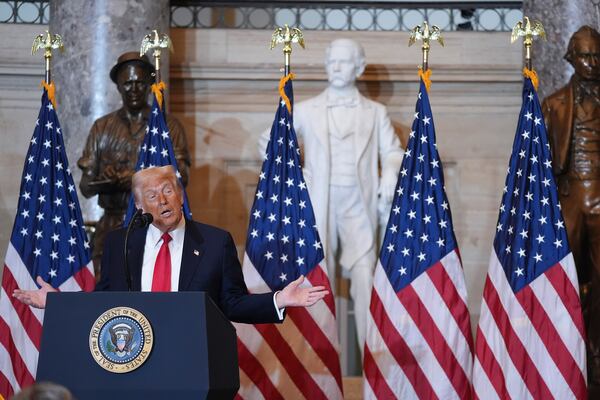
<point>140,219</point>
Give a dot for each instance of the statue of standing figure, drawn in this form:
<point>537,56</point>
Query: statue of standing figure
<point>351,161</point>
<point>572,117</point>
<point>111,151</point>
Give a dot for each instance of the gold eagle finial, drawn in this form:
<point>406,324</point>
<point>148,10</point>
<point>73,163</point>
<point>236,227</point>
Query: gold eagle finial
<point>155,41</point>
<point>48,42</point>
<point>528,30</point>
<point>425,34</point>
<point>287,36</point>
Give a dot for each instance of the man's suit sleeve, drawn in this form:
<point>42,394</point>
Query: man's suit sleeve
<point>236,303</point>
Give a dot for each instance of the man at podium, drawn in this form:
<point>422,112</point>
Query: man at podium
<point>175,254</point>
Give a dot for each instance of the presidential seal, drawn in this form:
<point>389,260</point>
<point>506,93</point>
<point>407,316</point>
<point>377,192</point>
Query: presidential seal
<point>121,339</point>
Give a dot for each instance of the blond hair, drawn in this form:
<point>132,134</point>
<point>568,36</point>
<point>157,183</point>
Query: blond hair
<point>141,176</point>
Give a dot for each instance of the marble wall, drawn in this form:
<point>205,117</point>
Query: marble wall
<point>223,89</point>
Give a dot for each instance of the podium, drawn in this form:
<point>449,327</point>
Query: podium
<point>193,356</point>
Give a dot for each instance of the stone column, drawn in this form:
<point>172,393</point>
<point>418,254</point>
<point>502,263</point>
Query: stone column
<point>95,33</point>
<point>561,18</point>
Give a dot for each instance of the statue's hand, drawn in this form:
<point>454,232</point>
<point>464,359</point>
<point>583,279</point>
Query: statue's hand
<point>124,180</point>
<point>109,174</point>
<point>112,180</point>
<point>295,296</point>
<point>387,186</point>
<point>35,298</point>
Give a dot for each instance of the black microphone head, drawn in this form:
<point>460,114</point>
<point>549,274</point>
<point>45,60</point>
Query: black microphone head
<point>146,219</point>
<point>141,219</point>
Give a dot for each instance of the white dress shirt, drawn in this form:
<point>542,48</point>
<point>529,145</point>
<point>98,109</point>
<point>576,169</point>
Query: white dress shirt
<point>153,244</point>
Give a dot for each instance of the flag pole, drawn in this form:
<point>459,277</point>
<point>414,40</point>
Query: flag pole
<point>48,42</point>
<point>287,36</point>
<point>529,31</point>
<point>426,35</point>
<point>156,42</point>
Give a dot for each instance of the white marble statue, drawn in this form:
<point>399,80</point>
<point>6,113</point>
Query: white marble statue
<point>351,162</point>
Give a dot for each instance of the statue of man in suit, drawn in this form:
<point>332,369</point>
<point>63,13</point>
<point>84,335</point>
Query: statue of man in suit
<point>351,161</point>
<point>572,117</point>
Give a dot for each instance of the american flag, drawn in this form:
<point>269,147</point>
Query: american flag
<point>47,240</point>
<point>157,151</point>
<point>530,338</point>
<point>299,358</point>
<point>419,342</point>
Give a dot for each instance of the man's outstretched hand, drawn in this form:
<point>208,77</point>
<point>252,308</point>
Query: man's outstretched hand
<point>295,296</point>
<point>34,298</point>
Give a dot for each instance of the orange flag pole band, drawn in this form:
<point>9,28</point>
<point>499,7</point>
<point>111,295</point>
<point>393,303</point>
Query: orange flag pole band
<point>531,74</point>
<point>51,89</point>
<point>282,83</point>
<point>426,76</point>
<point>157,89</point>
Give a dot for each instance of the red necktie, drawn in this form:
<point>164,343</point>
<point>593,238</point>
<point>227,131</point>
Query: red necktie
<point>161,280</point>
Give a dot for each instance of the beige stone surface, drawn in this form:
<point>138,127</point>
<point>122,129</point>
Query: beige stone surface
<point>223,89</point>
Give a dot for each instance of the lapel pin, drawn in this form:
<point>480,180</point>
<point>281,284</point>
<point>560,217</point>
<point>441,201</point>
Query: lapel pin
<point>196,253</point>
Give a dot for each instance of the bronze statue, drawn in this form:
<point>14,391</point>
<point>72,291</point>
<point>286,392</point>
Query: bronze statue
<point>572,117</point>
<point>110,155</point>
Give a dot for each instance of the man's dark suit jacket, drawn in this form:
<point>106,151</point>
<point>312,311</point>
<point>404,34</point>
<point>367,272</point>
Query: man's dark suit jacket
<point>209,263</point>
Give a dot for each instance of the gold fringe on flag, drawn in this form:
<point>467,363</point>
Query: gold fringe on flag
<point>282,83</point>
<point>531,74</point>
<point>157,89</point>
<point>51,89</point>
<point>426,76</point>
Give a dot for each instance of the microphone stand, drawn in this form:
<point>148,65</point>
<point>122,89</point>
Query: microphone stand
<point>132,223</point>
<point>141,220</point>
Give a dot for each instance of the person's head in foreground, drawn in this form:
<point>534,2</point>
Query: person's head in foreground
<point>44,391</point>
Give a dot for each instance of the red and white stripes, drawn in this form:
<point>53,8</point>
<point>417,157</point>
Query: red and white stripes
<point>296,359</point>
<point>530,345</point>
<point>419,342</point>
<point>21,325</point>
